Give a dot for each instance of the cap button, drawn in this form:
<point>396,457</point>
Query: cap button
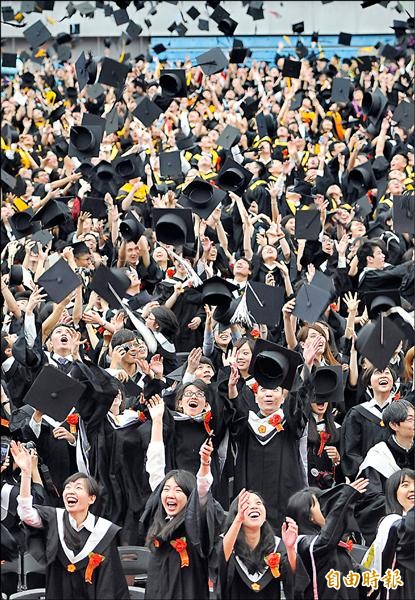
<point>54,395</point>
<point>59,279</point>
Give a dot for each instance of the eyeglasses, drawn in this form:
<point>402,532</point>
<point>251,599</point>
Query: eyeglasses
<point>192,394</point>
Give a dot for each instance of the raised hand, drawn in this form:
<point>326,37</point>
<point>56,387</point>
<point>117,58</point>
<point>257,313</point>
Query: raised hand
<point>205,452</point>
<point>21,457</point>
<point>312,347</point>
<point>35,298</point>
<point>289,532</point>
<point>360,484</point>
<point>351,302</point>
<point>234,376</point>
<point>243,504</point>
<point>155,407</point>
<point>193,359</point>
<point>156,366</point>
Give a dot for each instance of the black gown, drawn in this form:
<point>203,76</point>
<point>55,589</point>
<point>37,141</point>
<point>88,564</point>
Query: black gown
<point>65,576</point>
<point>327,554</point>
<point>399,554</point>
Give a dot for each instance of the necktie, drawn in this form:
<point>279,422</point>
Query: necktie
<point>380,408</point>
<point>64,364</point>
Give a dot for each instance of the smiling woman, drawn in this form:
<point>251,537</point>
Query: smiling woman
<point>80,548</point>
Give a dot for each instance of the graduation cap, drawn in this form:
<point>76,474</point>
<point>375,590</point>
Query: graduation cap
<point>374,105</point>
<point>311,301</point>
<point>224,21</point>
<point>86,70</point>
<point>291,68</point>
<point>7,13</point>
<point>298,28</point>
<point>389,52</point>
<point>212,61</point>
<point>229,137</point>
<point>314,37</point>
<point>64,54</point>
<point>201,197</point>
<point>264,303</point>
<point>238,54</point>
<point>95,206</point>
<point>297,101</point>
<point>120,16</point>
<point>113,73</point>
<point>233,176</point>
<point>42,237</point>
<point>85,141</point>
<point>193,12</point>
<point>173,83</point>
<point>147,111</point>
<point>8,59</point>
<point>59,281</point>
<point>403,209</point>
<point>328,383</point>
<point>344,39</point>
<point>203,25</point>
<point>177,374</point>
<point>131,228</point>
<point>301,50</point>
<point>159,48</point>
<point>184,142</point>
<point>307,224</point>
<point>37,34</point>
<point>274,366</point>
<point>105,277</point>
<point>104,177</point>
<point>217,291</point>
<point>327,500</point>
<point>249,107</point>
<point>22,225</point>
<point>134,30</point>
<point>399,27</point>
<point>51,214</point>
<point>379,342</point>
<point>363,207</point>
<point>95,91</point>
<point>378,301</point>
<point>341,89</point>
<point>170,165</point>
<point>10,134</point>
<point>54,393</point>
<point>16,275</point>
<point>8,180</point>
<point>403,114</point>
<point>173,225</point>
<point>181,29</point>
<point>256,10</point>
<point>363,177</point>
<point>129,167</point>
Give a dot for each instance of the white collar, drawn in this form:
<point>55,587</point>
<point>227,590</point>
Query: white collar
<point>88,524</point>
<point>99,530</point>
<point>58,357</point>
<point>7,364</point>
<point>400,445</point>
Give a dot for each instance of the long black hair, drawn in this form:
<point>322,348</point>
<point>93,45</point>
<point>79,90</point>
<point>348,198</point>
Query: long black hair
<point>252,559</point>
<point>160,528</point>
<point>167,321</point>
<point>330,427</point>
<point>392,505</point>
<point>299,507</point>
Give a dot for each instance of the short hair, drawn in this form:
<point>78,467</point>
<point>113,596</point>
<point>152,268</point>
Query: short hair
<point>91,484</point>
<point>396,412</point>
<point>367,375</point>
<point>122,336</point>
<point>366,250</point>
<point>201,385</point>
<point>393,482</point>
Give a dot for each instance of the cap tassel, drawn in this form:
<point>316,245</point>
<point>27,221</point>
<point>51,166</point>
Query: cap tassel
<point>192,275</point>
<point>242,314</point>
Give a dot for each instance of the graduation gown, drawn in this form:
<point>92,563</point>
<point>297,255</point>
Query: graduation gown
<point>66,569</point>
<point>321,553</point>
<point>398,553</point>
<point>166,578</point>
<point>361,429</point>
<point>267,459</point>
<point>236,583</point>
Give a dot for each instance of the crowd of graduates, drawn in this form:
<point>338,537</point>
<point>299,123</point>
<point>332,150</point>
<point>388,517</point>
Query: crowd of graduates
<point>208,325</point>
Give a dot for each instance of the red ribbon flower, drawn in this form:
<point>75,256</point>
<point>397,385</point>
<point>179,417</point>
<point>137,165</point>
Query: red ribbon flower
<point>180,545</point>
<point>273,561</point>
<point>254,387</point>
<point>348,545</point>
<point>255,333</point>
<point>171,272</point>
<point>141,416</point>
<point>72,421</point>
<point>207,417</point>
<point>156,543</point>
<point>397,396</point>
<point>94,561</point>
<point>324,438</point>
<point>276,422</point>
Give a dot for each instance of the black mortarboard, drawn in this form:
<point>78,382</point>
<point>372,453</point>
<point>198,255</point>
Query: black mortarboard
<point>203,25</point>
<point>261,125</point>
<point>113,73</point>
<point>82,70</point>
<point>94,120</point>
<point>229,137</point>
<point>37,34</point>
<point>159,48</point>
<point>131,228</point>
<point>363,207</point>
<point>324,282</point>
<point>381,342</point>
<point>177,374</point>
<point>22,224</point>
<point>129,167</point>
<point>173,225</point>
<point>329,498</point>
<point>298,27</point>
<point>42,236</point>
<point>311,302</point>
<point>8,180</point>
<point>314,37</point>
<point>341,89</point>
<point>307,224</point>
<point>113,122</point>
<point>132,389</point>
<point>374,105</point>
<point>212,61</point>
<point>274,366</point>
<point>16,275</point>
<point>328,383</point>
<point>52,214</point>
<point>147,111</point>
<point>297,101</point>
<point>104,178</point>
<point>201,197</point>
<point>377,301</point>
<point>85,141</point>
<point>403,114</point>
<point>10,134</point>
<point>64,54</point>
<point>95,206</point>
<point>193,12</point>
<point>181,29</point>
<point>344,39</point>
<point>8,59</point>
<point>54,393</point>
<point>301,50</point>
<point>105,277</point>
<point>291,68</point>
<point>184,142</point>
<point>170,165</point>
<point>389,52</point>
<point>134,30</point>
<point>256,10</point>
<point>171,28</point>
<point>217,291</point>
<point>95,91</point>
<point>264,303</point>
<point>173,83</point>
<point>238,55</point>
<point>249,107</point>
<point>404,214</point>
<point>233,176</point>
<point>59,281</point>
<point>7,13</point>
<point>225,23</point>
<point>363,177</point>
<point>121,16</point>
<point>399,26</point>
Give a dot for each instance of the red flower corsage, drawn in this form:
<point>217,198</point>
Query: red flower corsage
<point>72,421</point>
<point>273,561</point>
<point>180,545</point>
<point>255,333</point>
<point>324,438</point>
<point>276,422</point>
<point>171,271</point>
<point>254,387</point>
<point>94,561</point>
<point>141,416</point>
<point>207,417</point>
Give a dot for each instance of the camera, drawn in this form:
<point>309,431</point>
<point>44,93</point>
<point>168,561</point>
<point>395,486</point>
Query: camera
<point>29,446</point>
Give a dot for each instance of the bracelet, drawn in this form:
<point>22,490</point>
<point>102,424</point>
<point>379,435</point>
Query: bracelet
<point>206,464</point>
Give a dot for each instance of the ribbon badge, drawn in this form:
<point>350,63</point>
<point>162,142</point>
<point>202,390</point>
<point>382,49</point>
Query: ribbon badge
<point>72,421</point>
<point>207,417</point>
<point>180,545</point>
<point>273,561</point>
<point>276,422</point>
<point>324,438</point>
<point>94,561</point>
